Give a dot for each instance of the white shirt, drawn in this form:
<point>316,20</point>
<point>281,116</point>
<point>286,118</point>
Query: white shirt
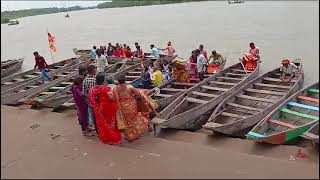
<point>155,52</point>
<point>201,61</point>
<point>291,68</point>
<point>102,63</point>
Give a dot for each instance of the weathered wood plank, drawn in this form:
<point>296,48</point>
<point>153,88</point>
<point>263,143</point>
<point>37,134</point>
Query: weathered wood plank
<point>204,94</point>
<point>162,95</point>
<point>229,78</point>
<point>256,98</point>
<point>222,83</point>
<point>245,107</point>
<point>172,89</point>
<point>272,86</point>
<point>276,79</point>
<point>214,88</point>
<point>183,84</point>
<point>265,92</point>
<point>233,115</point>
<point>194,100</point>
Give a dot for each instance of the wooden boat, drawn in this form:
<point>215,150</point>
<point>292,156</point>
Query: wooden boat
<point>291,119</point>
<point>169,91</point>
<point>60,97</point>
<point>16,22</point>
<point>10,66</point>
<point>187,111</point>
<point>235,1</point>
<point>20,78</point>
<point>13,95</point>
<point>252,102</point>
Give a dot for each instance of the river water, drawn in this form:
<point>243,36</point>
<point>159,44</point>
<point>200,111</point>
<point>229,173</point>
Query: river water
<point>285,29</point>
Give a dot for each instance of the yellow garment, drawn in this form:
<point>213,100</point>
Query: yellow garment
<point>157,78</point>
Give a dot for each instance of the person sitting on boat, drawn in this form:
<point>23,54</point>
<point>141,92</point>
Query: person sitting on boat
<point>157,77</point>
<point>138,53</point>
<point>214,61</point>
<point>110,49</point>
<point>180,73</point>
<point>154,52</point>
<point>146,82</point>
<point>288,70</point>
<point>193,65</point>
<point>118,52</point>
<point>93,53</point>
<point>249,62</point>
<point>102,62</point>
<point>42,65</point>
<point>170,50</point>
<point>201,64</point>
<point>151,69</point>
<point>167,71</point>
<point>126,51</point>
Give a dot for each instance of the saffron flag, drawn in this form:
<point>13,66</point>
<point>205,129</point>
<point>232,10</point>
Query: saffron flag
<point>51,40</point>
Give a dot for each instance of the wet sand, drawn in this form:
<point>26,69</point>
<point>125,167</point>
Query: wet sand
<point>40,144</point>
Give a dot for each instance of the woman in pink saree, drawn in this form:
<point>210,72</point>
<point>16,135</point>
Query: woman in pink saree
<point>105,108</point>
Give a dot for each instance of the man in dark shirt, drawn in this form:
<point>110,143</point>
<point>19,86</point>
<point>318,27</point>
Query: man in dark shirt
<point>42,65</point>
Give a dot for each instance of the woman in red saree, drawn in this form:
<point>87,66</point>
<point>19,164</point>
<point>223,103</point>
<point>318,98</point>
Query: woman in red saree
<point>193,65</point>
<point>105,108</point>
<point>118,52</point>
<point>134,118</point>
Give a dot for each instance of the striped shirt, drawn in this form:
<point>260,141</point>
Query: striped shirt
<point>88,82</point>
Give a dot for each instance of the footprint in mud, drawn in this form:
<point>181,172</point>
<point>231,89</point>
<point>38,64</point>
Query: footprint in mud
<point>34,126</point>
<point>54,136</point>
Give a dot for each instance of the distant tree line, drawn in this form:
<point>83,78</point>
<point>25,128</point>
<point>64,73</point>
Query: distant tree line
<point>129,3</point>
<point>6,16</point>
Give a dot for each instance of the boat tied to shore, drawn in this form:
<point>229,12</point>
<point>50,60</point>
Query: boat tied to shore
<point>291,119</point>
<point>250,103</point>
<point>10,66</point>
<point>190,109</point>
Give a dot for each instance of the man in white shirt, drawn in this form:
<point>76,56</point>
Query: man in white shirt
<point>154,52</point>
<point>102,62</point>
<point>201,64</point>
<point>288,70</point>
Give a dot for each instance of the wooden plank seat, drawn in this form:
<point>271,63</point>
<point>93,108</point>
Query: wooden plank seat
<point>276,122</point>
<point>204,94</point>
<point>214,88</point>
<point>265,92</point>
<point>183,84</point>
<point>7,83</point>
<point>61,75</point>
<point>256,98</point>
<point>212,125</point>
<point>163,95</point>
<point>19,80</point>
<point>67,83</point>
<point>272,86</point>
<point>229,78</point>
<point>172,90</point>
<point>32,87</point>
<point>222,83</point>
<point>21,90</point>
<point>46,93</point>
<point>276,79</point>
<point>57,88</point>
<point>244,107</point>
<point>133,77</point>
<point>194,100</point>
<point>308,99</point>
<point>30,76</point>
<point>134,73</point>
<point>295,104</point>
<point>285,110</point>
<point>239,71</point>
<point>233,115</point>
<point>235,74</point>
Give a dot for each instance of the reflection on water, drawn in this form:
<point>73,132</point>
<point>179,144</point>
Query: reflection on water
<point>280,29</point>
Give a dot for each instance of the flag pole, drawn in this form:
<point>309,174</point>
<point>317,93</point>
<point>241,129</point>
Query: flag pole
<point>49,47</point>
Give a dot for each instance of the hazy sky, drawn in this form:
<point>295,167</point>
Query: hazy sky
<point>17,5</point>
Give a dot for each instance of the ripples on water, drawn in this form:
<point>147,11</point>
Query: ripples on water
<point>287,29</point>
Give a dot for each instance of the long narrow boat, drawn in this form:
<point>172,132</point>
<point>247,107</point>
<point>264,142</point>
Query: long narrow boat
<point>187,111</point>
<point>60,97</point>
<point>169,91</point>
<point>13,95</point>
<point>291,119</point>
<point>20,78</point>
<point>11,66</point>
<point>252,102</point>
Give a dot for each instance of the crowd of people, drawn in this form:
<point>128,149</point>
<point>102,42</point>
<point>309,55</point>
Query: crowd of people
<point>115,111</point>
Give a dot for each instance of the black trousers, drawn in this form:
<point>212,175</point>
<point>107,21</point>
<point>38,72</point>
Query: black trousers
<point>201,76</point>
